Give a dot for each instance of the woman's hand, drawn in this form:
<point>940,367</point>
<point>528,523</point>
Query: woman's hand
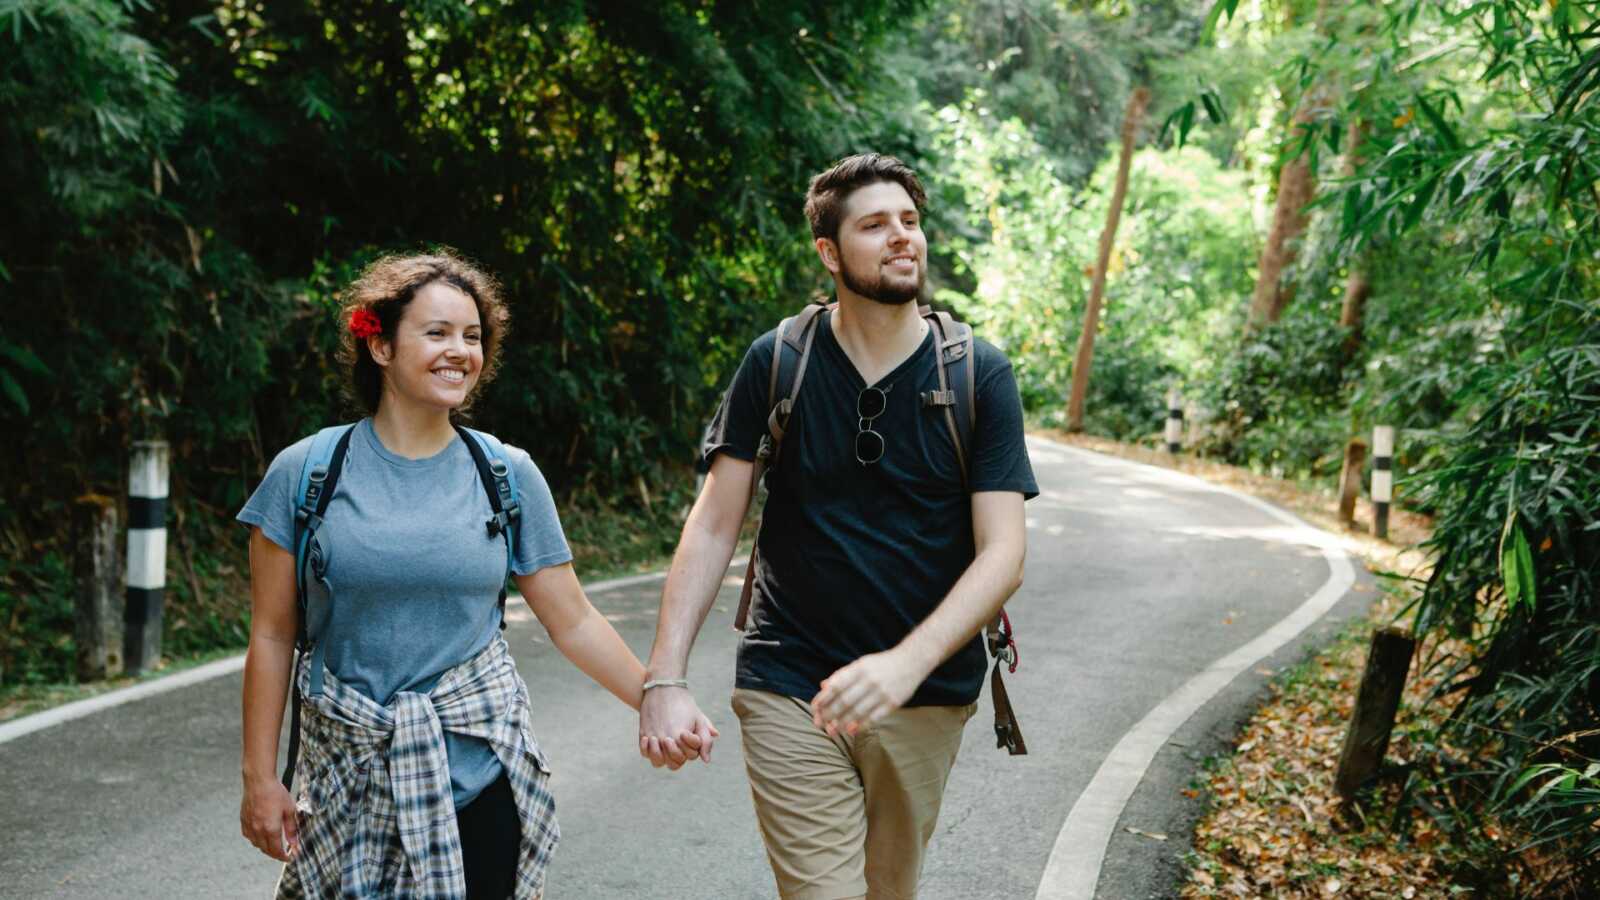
<point>267,819</point>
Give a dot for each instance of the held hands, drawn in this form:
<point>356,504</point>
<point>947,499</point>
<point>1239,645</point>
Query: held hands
<point>672,729</point>
<point>865,691</point>
<point>267,819</point>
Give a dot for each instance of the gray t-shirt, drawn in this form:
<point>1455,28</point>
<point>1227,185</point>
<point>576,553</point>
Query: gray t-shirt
<point>411,581</point>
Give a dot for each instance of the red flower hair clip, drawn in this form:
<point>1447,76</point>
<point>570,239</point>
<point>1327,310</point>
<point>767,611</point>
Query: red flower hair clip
<point>364,323</point>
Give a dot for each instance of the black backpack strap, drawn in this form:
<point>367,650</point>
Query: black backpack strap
<point>791,351</point>
<point>320,483</point>
<point>495,475</point>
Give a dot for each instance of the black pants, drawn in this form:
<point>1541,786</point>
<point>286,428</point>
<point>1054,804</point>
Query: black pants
<point>491,835</point>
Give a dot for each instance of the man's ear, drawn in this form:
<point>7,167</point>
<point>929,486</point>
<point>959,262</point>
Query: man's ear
<point>380,349</point>
<point>828,252</point>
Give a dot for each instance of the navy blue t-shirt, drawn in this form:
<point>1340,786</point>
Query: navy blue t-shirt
<point>853,557</point>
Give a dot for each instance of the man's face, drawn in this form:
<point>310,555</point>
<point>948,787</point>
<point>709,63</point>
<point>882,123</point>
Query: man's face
<point>881,253</point>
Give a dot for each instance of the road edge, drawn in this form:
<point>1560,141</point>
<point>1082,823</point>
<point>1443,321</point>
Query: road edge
<point>77,709</point>
<point>1072,871</point>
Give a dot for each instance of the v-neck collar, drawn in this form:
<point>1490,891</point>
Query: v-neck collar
<point>825,326</point>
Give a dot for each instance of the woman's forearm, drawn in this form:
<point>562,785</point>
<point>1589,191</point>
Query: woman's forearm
<point>267,667</point>
<point>599,652</point>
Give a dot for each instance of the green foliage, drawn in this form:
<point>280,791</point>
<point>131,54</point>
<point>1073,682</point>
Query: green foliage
<point>1279,400</point>
<point>1499,160</point>
<point>1028,243</point>
<point>175,247</point>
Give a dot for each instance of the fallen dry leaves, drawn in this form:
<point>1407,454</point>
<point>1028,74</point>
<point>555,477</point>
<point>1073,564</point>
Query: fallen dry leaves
<point>1274,828</point>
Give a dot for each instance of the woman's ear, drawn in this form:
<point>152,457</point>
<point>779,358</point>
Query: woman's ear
<point>380,349</point>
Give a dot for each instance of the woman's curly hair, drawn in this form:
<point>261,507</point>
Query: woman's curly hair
<point>387,286</point>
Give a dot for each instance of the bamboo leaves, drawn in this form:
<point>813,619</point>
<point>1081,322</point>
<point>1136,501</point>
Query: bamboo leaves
<point>1516,566</point>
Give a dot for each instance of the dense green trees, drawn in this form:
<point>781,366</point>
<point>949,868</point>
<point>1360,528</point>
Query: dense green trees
<point>185,186</point>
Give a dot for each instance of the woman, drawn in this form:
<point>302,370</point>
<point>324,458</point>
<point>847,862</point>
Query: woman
<point>420,775</point>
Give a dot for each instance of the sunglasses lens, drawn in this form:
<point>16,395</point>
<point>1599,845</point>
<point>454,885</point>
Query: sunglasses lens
<point>871,403</point>
<point>869,447</point>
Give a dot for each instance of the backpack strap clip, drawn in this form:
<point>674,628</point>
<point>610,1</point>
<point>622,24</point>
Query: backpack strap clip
<point>1007,732</point>
<point>509,510</point>
<point>938,399</point>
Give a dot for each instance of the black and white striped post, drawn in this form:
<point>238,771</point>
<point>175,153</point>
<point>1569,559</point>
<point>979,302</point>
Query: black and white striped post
<point>147,555</point>
<point>1174,421</point>
<point>1382,478</point>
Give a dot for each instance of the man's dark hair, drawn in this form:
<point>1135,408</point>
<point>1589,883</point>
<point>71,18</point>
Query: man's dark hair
<point>826,195</point>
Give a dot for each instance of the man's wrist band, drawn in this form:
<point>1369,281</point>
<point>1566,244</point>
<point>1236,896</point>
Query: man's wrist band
<point>666,682</point>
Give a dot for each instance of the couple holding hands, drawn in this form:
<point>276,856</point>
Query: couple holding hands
<point>890,537</point>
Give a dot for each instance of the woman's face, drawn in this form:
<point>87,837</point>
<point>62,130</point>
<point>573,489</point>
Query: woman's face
<point>437,352</point>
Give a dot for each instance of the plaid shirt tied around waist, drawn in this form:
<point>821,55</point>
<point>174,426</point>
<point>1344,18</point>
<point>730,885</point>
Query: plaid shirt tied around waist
<point>376,814</point>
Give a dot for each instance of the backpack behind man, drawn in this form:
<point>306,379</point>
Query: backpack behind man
<point>885,547</point>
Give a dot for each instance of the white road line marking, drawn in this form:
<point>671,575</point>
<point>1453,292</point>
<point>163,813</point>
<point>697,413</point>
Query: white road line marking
<point>10,731</point>
<point>1073,870</point>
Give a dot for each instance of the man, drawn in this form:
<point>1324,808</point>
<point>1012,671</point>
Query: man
<point>861,662</point>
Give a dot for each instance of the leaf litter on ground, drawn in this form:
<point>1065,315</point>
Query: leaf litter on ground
<point>1275,826</point>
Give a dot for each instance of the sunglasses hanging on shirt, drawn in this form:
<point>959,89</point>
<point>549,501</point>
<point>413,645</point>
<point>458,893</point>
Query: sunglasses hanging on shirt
<point>870,404</point>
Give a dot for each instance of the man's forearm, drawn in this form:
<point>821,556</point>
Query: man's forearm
<point>698,568</point>
<point>986,585</point>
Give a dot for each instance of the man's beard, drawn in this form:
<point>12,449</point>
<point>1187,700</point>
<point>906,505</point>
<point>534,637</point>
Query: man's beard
<point>880,290</point>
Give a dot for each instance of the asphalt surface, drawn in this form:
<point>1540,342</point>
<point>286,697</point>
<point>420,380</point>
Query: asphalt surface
<point>1135,582</point>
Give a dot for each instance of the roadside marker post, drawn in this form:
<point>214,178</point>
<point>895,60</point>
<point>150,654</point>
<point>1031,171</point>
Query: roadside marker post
<point>147,555</point>
<point>1382,477</point>
<point>1174,421</point>
<point>96,576</point>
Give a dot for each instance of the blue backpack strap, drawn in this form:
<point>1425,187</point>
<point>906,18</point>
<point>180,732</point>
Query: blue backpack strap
<point>319,477</point>
<point>500,483</point>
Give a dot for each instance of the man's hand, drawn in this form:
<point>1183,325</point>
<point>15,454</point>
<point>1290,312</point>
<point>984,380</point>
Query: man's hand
<point>672,729</point>
<point>866,691</point>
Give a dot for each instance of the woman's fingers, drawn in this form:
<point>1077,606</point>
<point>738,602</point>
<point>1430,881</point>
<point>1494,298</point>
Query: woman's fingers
<point>706,734</point>
<point>291,832</point>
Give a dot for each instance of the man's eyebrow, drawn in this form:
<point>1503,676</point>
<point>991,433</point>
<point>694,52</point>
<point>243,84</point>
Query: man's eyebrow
<point>886,212</point>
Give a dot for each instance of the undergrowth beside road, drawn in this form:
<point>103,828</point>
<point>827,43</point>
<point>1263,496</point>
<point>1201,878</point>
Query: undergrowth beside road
<point>207,612</point>
<point>1274,827</point>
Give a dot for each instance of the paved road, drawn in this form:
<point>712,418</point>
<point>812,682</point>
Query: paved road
<point>1136,581</point>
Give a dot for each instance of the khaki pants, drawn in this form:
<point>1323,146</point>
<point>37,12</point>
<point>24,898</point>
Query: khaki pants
<point>846,817</point>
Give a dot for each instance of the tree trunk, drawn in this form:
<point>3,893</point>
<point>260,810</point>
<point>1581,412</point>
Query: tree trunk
<point>1097,287</point>
<point>1295,189</point>
<point>1356,286</point>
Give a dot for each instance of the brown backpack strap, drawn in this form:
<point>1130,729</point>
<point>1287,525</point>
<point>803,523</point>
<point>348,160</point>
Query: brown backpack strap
<point>1007,732</point>
<point>961,414</point>
<point>954,341</point>
<point>797,333</point>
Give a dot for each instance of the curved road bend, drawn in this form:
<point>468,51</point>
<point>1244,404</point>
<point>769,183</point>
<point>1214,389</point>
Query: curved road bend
<point>1139,581</point>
